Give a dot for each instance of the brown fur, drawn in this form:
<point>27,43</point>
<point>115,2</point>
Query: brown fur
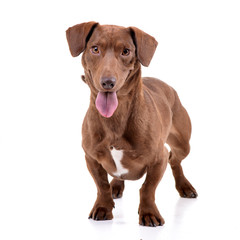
<point>149,114</point>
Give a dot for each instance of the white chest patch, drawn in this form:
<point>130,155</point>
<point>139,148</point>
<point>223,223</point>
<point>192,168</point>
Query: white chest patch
<point>167,146</point>
<point>117,157</point>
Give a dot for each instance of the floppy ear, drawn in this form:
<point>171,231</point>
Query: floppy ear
<point>145,44</point>
<point>78,36</point>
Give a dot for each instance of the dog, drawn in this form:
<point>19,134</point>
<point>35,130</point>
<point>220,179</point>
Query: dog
<point>129,118</point>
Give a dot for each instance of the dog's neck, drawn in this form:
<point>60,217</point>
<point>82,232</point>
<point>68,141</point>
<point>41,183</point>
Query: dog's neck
<point>130,100</point>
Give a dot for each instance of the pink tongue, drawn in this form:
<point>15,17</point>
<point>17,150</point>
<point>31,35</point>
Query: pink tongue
<point>106,103</point>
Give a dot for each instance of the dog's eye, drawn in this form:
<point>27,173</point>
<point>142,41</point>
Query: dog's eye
<point>95,50</point>
<point>125,52</point>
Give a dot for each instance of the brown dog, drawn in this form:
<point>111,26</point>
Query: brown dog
<point>129,119</point>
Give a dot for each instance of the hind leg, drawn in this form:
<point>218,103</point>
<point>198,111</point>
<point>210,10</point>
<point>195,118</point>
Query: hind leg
<point>178,140</point>
<point>117,187</point>
<point>183,186</point>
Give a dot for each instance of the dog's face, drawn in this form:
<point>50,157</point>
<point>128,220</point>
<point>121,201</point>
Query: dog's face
<point>110,54</point>
<point>109,57</point>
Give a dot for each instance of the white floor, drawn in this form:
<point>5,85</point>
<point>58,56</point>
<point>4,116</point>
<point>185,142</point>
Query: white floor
<point>213,215</point>
<point>54,203</point>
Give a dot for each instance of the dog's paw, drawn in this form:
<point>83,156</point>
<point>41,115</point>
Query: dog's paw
<point>185,189</point>
<point>100,213</point>
<point>150,216</point>
<point>151,220</point>
<point>102,209</point>
<point>117,187</point>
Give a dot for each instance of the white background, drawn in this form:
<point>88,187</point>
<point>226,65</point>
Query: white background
<point>46,191</point>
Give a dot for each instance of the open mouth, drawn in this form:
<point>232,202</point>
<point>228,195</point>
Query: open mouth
<point>106,103</point>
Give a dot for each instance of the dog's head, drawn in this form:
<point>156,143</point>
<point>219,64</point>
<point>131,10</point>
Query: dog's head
<point>110,54</point>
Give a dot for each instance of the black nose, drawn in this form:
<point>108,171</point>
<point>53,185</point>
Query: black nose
<point>108,82</point>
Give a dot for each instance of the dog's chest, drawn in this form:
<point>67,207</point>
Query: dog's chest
<point>117,156</point>
<point>125,164</point>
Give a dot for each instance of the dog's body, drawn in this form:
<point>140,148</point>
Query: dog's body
<point>129,118</point>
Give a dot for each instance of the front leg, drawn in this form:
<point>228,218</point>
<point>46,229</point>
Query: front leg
<point>102,209</point>
<point>148,211</point>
